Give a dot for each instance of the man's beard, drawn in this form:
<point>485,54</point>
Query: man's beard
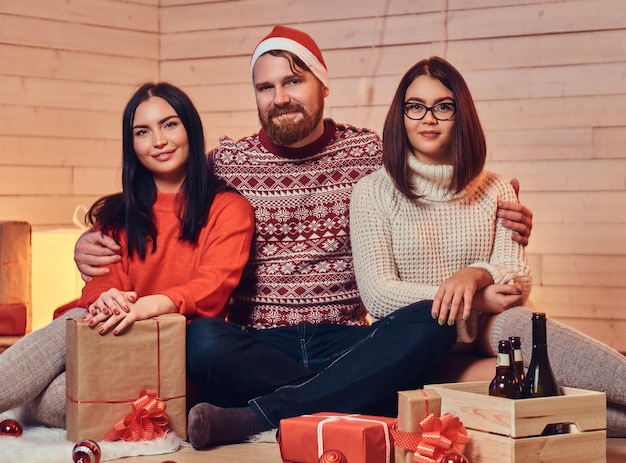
<point>288,132</point>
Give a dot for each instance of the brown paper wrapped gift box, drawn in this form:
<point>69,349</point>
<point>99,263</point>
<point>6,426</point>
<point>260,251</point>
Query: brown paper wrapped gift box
<point>413,407</point>
<point>106,374</point>
<point>15,250</point>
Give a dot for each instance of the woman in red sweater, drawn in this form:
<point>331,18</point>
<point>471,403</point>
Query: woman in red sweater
<point>185,238</point>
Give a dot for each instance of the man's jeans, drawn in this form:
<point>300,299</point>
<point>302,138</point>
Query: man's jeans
<point>291,371</point>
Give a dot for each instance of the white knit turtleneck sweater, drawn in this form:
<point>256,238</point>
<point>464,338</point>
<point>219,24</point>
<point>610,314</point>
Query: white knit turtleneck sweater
<point>404,249</point>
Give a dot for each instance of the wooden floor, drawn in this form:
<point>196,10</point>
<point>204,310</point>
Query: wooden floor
<point>269,453</point>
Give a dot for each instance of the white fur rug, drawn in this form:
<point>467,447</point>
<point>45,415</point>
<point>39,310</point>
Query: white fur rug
<point>50,445</point>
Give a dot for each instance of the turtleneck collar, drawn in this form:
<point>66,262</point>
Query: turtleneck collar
<point>311,150</point>
<point>430,181</point>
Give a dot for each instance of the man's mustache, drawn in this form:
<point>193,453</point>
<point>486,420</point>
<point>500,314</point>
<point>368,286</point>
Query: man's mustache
<point>276,112</point>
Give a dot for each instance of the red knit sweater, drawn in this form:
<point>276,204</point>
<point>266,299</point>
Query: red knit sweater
<point>300,269</point>
<point>198,278</point>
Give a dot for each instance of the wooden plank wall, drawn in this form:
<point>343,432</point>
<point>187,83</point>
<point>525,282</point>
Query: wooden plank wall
<point>67,69</point>
<point>549,78</point>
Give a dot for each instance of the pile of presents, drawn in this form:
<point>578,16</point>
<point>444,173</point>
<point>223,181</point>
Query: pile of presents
<point>456,422</point>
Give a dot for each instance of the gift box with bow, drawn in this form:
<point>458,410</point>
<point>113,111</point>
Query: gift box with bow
<point>130,387</point>
<point>15,277</point>
<point>361,438</point>
<point>421,434</point>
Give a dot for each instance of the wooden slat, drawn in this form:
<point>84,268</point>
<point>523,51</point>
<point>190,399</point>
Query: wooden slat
<point>33,180</point>
<point>223,97</point>
<point>56,151</point>
<point>573,176</point>
<point>609,142</point>
<point>233,124</point>
<point>207,71</point>
<point>599,46</point>
<point>543,113</point>
<point>581,302</point>
<point>530,145</point>
<point>371,117</point>
<point>419,28</point>
<point>64,94</point>
<point>226,15</point>
<point>76,65</point>
<point>519,20</point>
<point>475,4</point>
<point>87,181</point>
<point>25,121</point>
<point>570,207</point>
<point>583,271</point>
<point>557,144</point>
<point>78,37</point>
<point>589,239</point>
<point>110,13</point>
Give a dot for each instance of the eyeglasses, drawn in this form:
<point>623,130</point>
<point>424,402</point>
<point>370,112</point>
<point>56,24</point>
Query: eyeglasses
<point>441,111</point>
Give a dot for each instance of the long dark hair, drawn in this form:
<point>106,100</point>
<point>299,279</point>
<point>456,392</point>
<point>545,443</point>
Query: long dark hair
<point>131,210</point>
<point>468,148</point>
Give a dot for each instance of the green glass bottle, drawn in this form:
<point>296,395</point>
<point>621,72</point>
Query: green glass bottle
<point>539,380</point>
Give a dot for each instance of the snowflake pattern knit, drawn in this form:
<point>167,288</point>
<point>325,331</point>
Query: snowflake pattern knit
<point>300,268</point>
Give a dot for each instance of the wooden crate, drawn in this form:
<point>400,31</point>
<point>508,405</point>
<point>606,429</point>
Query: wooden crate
<point>509,431</point>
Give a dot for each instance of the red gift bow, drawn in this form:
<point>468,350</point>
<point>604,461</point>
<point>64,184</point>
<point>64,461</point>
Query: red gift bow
<point>440,436</point>
<point>147,421</point>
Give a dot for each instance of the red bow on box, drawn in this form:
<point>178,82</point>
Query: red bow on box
<point>440,436</point>
<point>147,421</point>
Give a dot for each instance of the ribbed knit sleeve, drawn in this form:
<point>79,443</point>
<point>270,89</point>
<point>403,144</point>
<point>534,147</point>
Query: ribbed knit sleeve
<point>404,249</point>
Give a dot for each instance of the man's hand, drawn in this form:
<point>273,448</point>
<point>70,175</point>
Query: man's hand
<point>92,252</point>
<point>516,217</point>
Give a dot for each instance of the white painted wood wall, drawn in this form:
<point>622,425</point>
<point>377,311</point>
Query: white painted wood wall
<point>549,78</point>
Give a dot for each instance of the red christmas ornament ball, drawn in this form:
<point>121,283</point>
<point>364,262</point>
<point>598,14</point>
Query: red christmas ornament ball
<point>333,456</point>
<point>10,428</point>
<point>454,457</point>
<point>86,451</point>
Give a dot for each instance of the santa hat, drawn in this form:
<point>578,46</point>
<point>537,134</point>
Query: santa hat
<point>297,42</point>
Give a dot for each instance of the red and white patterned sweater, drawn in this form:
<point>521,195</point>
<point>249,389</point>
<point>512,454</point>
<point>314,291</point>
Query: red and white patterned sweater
<point>300,268</point>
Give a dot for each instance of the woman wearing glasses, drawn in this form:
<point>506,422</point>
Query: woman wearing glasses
<point>425,228</point>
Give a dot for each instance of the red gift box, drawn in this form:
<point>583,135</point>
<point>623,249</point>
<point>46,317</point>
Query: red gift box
<point>361,438</point>
<point>13,319</point>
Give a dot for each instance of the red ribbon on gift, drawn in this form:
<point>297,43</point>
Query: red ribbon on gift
<point>147,421</point>
<point>440,436</point>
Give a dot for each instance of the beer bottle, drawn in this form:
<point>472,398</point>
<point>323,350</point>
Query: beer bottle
<point>504,384</point>
<point>518,361</point>
<point>539,380</point>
